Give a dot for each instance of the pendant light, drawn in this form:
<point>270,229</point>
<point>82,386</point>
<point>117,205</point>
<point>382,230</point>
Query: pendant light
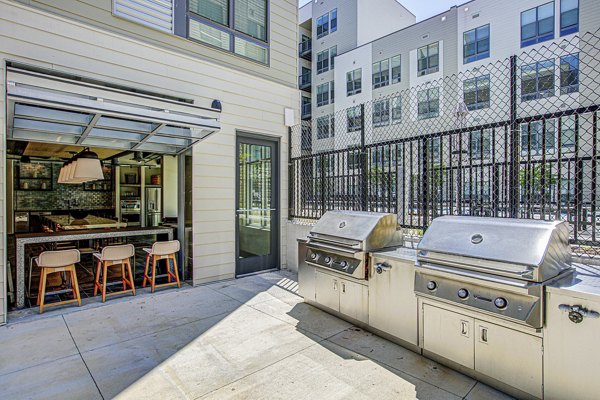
<point>88,167</point>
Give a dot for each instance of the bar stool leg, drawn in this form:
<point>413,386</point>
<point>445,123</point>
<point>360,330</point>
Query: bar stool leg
<point>168,261</point>
<point>123,279</point>
<point>43,291</point>
<point>97,279</point>
<point>75,285</point>
<point>131,279</point>
<point>104,274</point>
<point>176,271</point>
<point>153,273</point>
<point>146,270</point>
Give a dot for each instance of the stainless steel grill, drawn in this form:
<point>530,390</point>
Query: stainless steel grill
<point>497,266</point>
<point>341,240</point>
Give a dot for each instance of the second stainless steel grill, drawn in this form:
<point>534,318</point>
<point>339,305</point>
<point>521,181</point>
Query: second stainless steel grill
<point>340,240</point>
<point>497,266</point>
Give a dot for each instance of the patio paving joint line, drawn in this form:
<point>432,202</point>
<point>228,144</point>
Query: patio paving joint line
<point>470,390</point>
<point>82,359</point>
<point>258,370</point>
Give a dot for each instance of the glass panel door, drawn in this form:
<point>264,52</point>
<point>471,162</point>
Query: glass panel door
<point>257,209</point>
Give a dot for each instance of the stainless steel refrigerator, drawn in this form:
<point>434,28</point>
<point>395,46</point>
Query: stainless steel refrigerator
<point>153,206</point>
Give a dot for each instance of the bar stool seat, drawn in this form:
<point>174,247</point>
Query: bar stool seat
<point>110,256</point>
<point>58,261</point>
<point>162,251</point>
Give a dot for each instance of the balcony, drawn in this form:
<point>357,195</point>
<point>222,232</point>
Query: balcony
<point>305,112</point>
<point>304,81</point>
<point>305,49</point>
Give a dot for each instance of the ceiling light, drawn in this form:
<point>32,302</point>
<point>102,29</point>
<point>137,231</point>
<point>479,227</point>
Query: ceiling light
<point>88,167</point>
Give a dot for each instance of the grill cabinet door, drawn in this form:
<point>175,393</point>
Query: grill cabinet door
<point>571,350</point>
<point>448,334</point>
<point>509,356</point>
<point>327,290</point>
<point>354,300</point>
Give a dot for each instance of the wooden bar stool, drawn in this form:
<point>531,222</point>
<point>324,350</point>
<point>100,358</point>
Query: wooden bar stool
<point>110,256</point>
<point>162,251</point>
<point>58,261</point>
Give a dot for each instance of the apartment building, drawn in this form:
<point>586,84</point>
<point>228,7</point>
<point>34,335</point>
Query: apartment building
<point>202,84</point>
<point>332,27</point>
<point>465,41</point>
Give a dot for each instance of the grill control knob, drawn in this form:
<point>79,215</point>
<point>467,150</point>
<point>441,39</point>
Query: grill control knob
<point>431,285</point>
<point>344,264</point>
<point>313,256</point>
<point>327,260</point>
<point>462,293</point>
<point>500,302</point>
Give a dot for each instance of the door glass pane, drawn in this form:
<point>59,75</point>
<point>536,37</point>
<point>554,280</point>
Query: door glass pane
<point>255,200</point>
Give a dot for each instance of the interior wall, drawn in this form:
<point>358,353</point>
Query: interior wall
<point>170,188</point>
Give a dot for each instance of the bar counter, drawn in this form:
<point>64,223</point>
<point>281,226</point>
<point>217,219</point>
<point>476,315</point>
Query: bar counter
<point>23,239</point>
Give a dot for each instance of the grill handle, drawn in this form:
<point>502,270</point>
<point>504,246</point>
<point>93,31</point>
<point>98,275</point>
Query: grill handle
<point>332,249</point>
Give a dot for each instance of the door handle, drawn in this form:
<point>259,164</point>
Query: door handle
<point>334,285</point>
<point>464,328</point>
<point>343,287</point>
<point>483,334</point>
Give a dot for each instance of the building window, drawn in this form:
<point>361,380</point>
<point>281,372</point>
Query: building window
<point>535,139</point>
<point>537,80</point>
<point>332,54</point>
<point>147,12</point>
<point>305,107</point>
<point>428,103</point>
<point>332,91</point>
<point>480,144</point>
<point>569,17</point>
<point>381,113</point>
<point>428,59</point>
<point>353,82</point>
<point>477,92</point>
<point>323,94</point>
<point>323,61</point>
<point>476,44</point>
<point>396,109</point>
<point>396,69</point>
<point>323,25</point>
<point>354,119</point>
<point>325,127</point>
<point>569,74</point>
<point>333,19</point>
<point>381,74</point>
<point>238,26</point>
<point>567,133</point>
<point>537,24</point>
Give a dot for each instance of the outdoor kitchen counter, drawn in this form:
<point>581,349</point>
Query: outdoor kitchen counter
<point>400,253</point>
<point>584,283</point>
<point>23,239</point>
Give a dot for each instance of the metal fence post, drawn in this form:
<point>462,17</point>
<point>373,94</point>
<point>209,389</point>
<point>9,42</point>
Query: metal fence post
<point>364,163</point>
<point>322,172</point>
<point>514,180</point>
<point>291,185</point>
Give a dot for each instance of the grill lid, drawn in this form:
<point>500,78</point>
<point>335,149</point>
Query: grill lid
<point>367,230</point>
<point>542,245</point>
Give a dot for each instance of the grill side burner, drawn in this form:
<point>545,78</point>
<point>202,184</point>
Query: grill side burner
<point>495,266</point>
<point>341,240</point>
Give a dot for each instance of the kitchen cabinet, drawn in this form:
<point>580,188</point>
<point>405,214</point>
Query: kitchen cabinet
<point>571,350</point>
<point>392,300</point>
<point>341,295</point>
<point>449,335</point>
<point>507,355</point>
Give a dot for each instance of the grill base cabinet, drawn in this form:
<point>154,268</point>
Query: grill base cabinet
<point>504,353</point>
<point>392,300</point>
<point>572,350</point>
<point>342,295</point>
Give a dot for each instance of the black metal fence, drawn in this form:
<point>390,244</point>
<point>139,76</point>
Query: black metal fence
<point>514,138</point>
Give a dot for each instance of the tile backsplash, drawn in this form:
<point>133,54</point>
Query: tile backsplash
<point>60,196</point>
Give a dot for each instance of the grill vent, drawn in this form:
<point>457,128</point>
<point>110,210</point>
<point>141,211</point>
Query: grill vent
<point>157,14</point>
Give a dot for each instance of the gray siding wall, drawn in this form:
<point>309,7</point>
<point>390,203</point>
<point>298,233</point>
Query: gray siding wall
<point>283,35</point>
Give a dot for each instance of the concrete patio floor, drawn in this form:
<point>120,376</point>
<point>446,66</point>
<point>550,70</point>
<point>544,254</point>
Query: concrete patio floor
<point>251,338</point>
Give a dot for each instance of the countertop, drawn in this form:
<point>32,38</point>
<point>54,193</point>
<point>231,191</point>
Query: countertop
<point>584,283</point>
<point>66,222</point>
<point>399,253</point>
